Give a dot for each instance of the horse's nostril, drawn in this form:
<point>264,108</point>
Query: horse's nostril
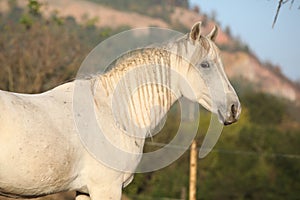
<point>233,110</point>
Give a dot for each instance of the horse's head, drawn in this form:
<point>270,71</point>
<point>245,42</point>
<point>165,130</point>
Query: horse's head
<point>206,77</point>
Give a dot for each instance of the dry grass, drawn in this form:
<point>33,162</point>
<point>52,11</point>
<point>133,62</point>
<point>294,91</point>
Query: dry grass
<point>38,59</point>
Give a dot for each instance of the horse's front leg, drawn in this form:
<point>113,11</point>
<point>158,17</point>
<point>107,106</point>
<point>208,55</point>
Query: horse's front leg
<point>82,196</point>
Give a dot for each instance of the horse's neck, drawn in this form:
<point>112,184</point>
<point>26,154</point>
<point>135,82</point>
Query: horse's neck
<point>141,89</point>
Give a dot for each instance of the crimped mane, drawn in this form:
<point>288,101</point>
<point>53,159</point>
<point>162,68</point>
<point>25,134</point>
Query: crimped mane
<point>157,54</point>
<point>136,58</point>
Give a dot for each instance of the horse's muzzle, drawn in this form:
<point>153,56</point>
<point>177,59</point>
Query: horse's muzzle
<point>234,114</point>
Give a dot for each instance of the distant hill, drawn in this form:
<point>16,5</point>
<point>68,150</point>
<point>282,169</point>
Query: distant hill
<point>239,61</point>
<point>256,158</point>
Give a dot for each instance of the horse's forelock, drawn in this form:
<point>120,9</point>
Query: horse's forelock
<point>205,43</point>
<point>210,48</point>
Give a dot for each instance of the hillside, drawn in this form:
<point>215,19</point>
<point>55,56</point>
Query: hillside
<point>238,64</point>
<point>256,158</point>
<point>243,66</point>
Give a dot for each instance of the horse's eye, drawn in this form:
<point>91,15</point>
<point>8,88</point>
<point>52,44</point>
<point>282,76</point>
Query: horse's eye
<point>204,65</point>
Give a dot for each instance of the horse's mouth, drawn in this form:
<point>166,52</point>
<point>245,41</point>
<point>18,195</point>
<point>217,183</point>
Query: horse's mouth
<point>224,121</point>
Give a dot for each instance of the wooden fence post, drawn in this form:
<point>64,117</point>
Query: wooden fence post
<point>193,171</point>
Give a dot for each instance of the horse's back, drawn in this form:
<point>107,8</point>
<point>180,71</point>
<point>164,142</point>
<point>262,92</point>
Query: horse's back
<point>37,141</point>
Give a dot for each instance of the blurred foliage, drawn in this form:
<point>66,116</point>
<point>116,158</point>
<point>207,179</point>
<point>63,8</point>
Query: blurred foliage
<point>264,109</point>
<point>34,7</point>
<point>138,6</point>
<point>37,54</point>
<point>256,158</point>
<point>153,8</point>
<point>236,45</point>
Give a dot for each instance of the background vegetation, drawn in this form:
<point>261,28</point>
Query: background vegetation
<point>154,8</point>
<point>37,54</point>
<point>257,158</point>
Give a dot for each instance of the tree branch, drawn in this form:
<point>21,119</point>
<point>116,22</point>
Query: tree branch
<point>277,12</point>
<point>292,2</point>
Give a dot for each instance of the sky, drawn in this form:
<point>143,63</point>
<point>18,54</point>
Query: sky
<point>251,20</point>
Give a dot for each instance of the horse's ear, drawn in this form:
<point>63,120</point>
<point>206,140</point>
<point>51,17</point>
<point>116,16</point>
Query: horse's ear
<point>213,34</point>
<point>195,33</point>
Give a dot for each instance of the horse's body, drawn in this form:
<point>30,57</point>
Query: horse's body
<point>38,144</point>
<point>40,149</point>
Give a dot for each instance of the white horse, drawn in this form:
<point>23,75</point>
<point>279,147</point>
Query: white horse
<point>40,149</point>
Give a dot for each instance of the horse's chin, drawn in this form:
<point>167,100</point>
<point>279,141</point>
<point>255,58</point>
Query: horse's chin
<point>216,111</point>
